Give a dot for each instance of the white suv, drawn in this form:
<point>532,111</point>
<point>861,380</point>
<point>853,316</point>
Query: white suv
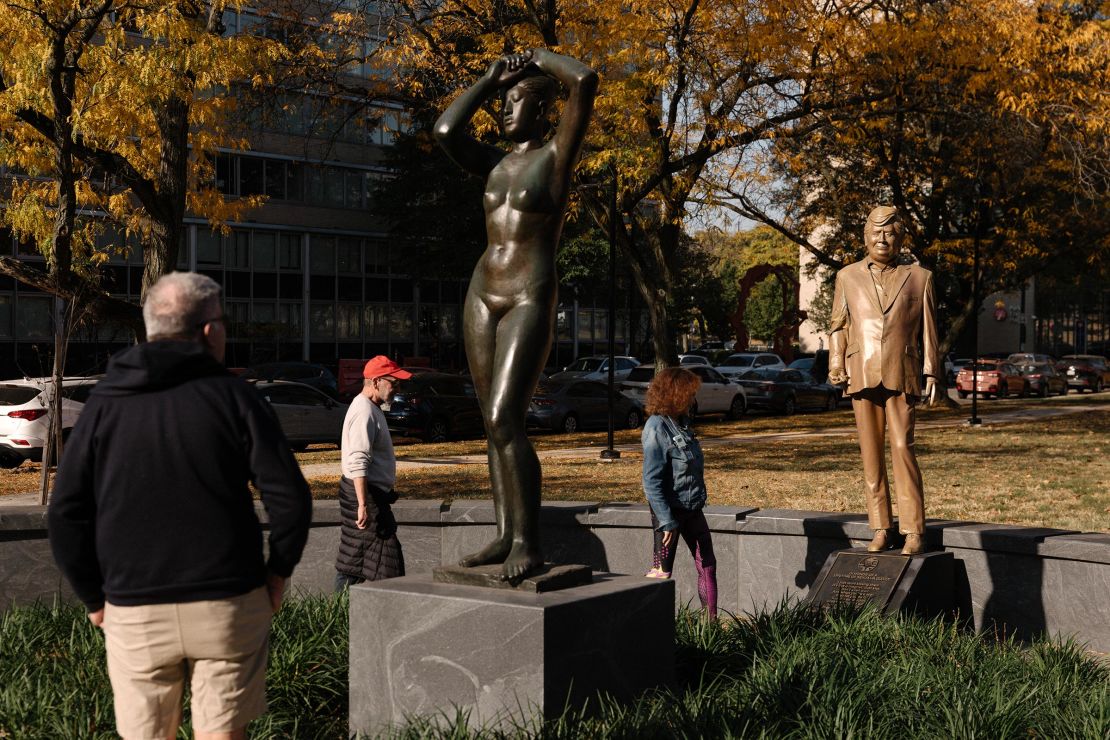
<point>741,362</point>
<point>716,394</point>
<point>24,416</point>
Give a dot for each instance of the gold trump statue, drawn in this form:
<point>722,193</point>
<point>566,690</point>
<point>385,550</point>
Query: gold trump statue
<point>883,339</point>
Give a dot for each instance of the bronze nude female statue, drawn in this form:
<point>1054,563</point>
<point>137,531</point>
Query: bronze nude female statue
<point>508,317</point>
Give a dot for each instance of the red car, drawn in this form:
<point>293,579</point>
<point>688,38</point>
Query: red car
<point>1085,372</point>
<point>995,378</point>
<point>1044,379</point>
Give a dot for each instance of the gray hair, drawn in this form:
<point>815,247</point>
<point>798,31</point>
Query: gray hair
<point>178,304</point>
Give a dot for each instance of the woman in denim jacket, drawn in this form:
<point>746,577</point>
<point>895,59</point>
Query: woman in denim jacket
<point>674,481</point>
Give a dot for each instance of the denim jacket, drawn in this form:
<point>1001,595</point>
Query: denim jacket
<point>674,469</point>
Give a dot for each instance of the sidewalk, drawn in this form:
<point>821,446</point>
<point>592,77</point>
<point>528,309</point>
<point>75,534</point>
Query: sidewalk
<point>316,470</point>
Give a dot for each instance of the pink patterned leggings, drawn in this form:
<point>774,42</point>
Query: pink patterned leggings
<point>695,532</point>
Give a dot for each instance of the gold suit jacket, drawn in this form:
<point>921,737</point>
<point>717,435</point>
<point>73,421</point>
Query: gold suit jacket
<point>893,342</point>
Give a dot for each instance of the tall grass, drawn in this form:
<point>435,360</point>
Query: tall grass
<point>787,673</point>
<point>795,673</point>
<point>54,682</point>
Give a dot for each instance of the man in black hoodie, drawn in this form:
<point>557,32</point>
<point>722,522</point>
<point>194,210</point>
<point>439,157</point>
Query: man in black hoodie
<point>153,523</point>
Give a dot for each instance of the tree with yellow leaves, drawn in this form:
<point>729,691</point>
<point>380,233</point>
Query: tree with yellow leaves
<point>691,94</point>
<point>998,135</point>
<point>115,107</point>
<point>109,112</point>
<point>802,114</point>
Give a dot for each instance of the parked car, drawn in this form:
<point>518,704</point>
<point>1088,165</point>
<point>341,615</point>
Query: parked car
<point>715,346</point>
<point>716,395</point>
<point>307,415</point>
<point>1044,379</point>
<point>817,366</point>
<point>24,416</point>
<point>995,378</point>
<point>958,364</point>
<point>597,368</point>
<point>788,391</point>
<point>693,358</point>
<point>1085,372</point>
<point>308,373</point>
<point>435,407</point>
<point>570,405</point>
<point>741,362</point>
<point>1029,358</point>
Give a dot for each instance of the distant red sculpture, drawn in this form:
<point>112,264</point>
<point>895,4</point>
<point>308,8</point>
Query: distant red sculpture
<point>783,339</point>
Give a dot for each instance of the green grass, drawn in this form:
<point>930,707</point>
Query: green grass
<point>789,673</point>
<point>54,684</point>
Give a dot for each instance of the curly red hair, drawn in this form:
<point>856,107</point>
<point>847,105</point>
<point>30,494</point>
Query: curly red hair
<point>671,392</point>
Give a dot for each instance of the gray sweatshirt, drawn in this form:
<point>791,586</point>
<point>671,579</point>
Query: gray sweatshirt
<point>366,445</point>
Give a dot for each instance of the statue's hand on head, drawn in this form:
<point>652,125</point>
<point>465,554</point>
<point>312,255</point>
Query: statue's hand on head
<point>510,68</point>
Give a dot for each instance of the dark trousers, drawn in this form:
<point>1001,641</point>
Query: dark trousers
<point>344,581</point>
<point>369,554</point>
<point>694,531</point>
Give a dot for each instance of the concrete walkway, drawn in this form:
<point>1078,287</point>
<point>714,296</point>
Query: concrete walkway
<point>315,470</point>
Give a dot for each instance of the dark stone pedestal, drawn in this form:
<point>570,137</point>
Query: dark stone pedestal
<point>920,584</point>
<point>550,577</point>
<point>418,647</point>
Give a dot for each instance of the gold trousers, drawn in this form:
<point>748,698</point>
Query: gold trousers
<point>876,410</point>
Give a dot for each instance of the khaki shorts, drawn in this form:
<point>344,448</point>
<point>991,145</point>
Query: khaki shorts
<point>221,645</point>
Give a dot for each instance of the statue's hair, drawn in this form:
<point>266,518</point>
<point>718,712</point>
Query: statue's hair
<point>882,215</point>
<point>540,86</point>
<point>177,304</point>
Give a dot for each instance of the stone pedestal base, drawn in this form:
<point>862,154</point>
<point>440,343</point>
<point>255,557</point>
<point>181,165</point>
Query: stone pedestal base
<point>423,648</point>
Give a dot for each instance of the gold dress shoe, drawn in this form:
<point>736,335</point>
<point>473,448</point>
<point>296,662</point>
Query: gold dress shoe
<point>878,542</point>
<point>915,545</point>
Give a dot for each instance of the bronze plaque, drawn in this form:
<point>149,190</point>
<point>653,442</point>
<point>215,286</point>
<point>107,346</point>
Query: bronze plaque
<point>856,578</point>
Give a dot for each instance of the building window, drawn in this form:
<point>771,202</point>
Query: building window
<point>251,176</point>
<point>348,321</point>
<point>349,255</point>
<point>237,313</point>
<point>5,315</point>
<point>208,247</point>
<point>238,250</point>
<point>289,253</point>
<point>400,321</point>
<point>377,257</point>
<point>32,317</point>
<point>377,321</point>
<point>323,321</point>
<point>322,255</point>
<point>585,325</point>
<point>264,251</point>
<point>290,316</point>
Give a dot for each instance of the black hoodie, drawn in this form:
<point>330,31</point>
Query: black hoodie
<point>151,502</point>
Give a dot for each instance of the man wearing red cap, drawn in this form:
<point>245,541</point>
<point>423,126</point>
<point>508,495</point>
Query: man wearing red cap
<point>368,545</point>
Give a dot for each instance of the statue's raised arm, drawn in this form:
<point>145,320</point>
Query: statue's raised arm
<point>502,78</point>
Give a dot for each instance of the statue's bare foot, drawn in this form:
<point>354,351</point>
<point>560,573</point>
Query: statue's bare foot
<point>494,552</point>
<point>523,559</point>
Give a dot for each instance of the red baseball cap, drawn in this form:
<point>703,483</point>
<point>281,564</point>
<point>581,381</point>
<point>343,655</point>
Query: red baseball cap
<point>381,366</point>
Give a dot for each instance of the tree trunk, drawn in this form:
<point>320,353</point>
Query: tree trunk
<point>171,183</point>
<point>52,445</point>
<point>651,275</point>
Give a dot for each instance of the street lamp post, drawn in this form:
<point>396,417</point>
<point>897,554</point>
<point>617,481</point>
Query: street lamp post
<point>975,420</point>
<point>610,454</point>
